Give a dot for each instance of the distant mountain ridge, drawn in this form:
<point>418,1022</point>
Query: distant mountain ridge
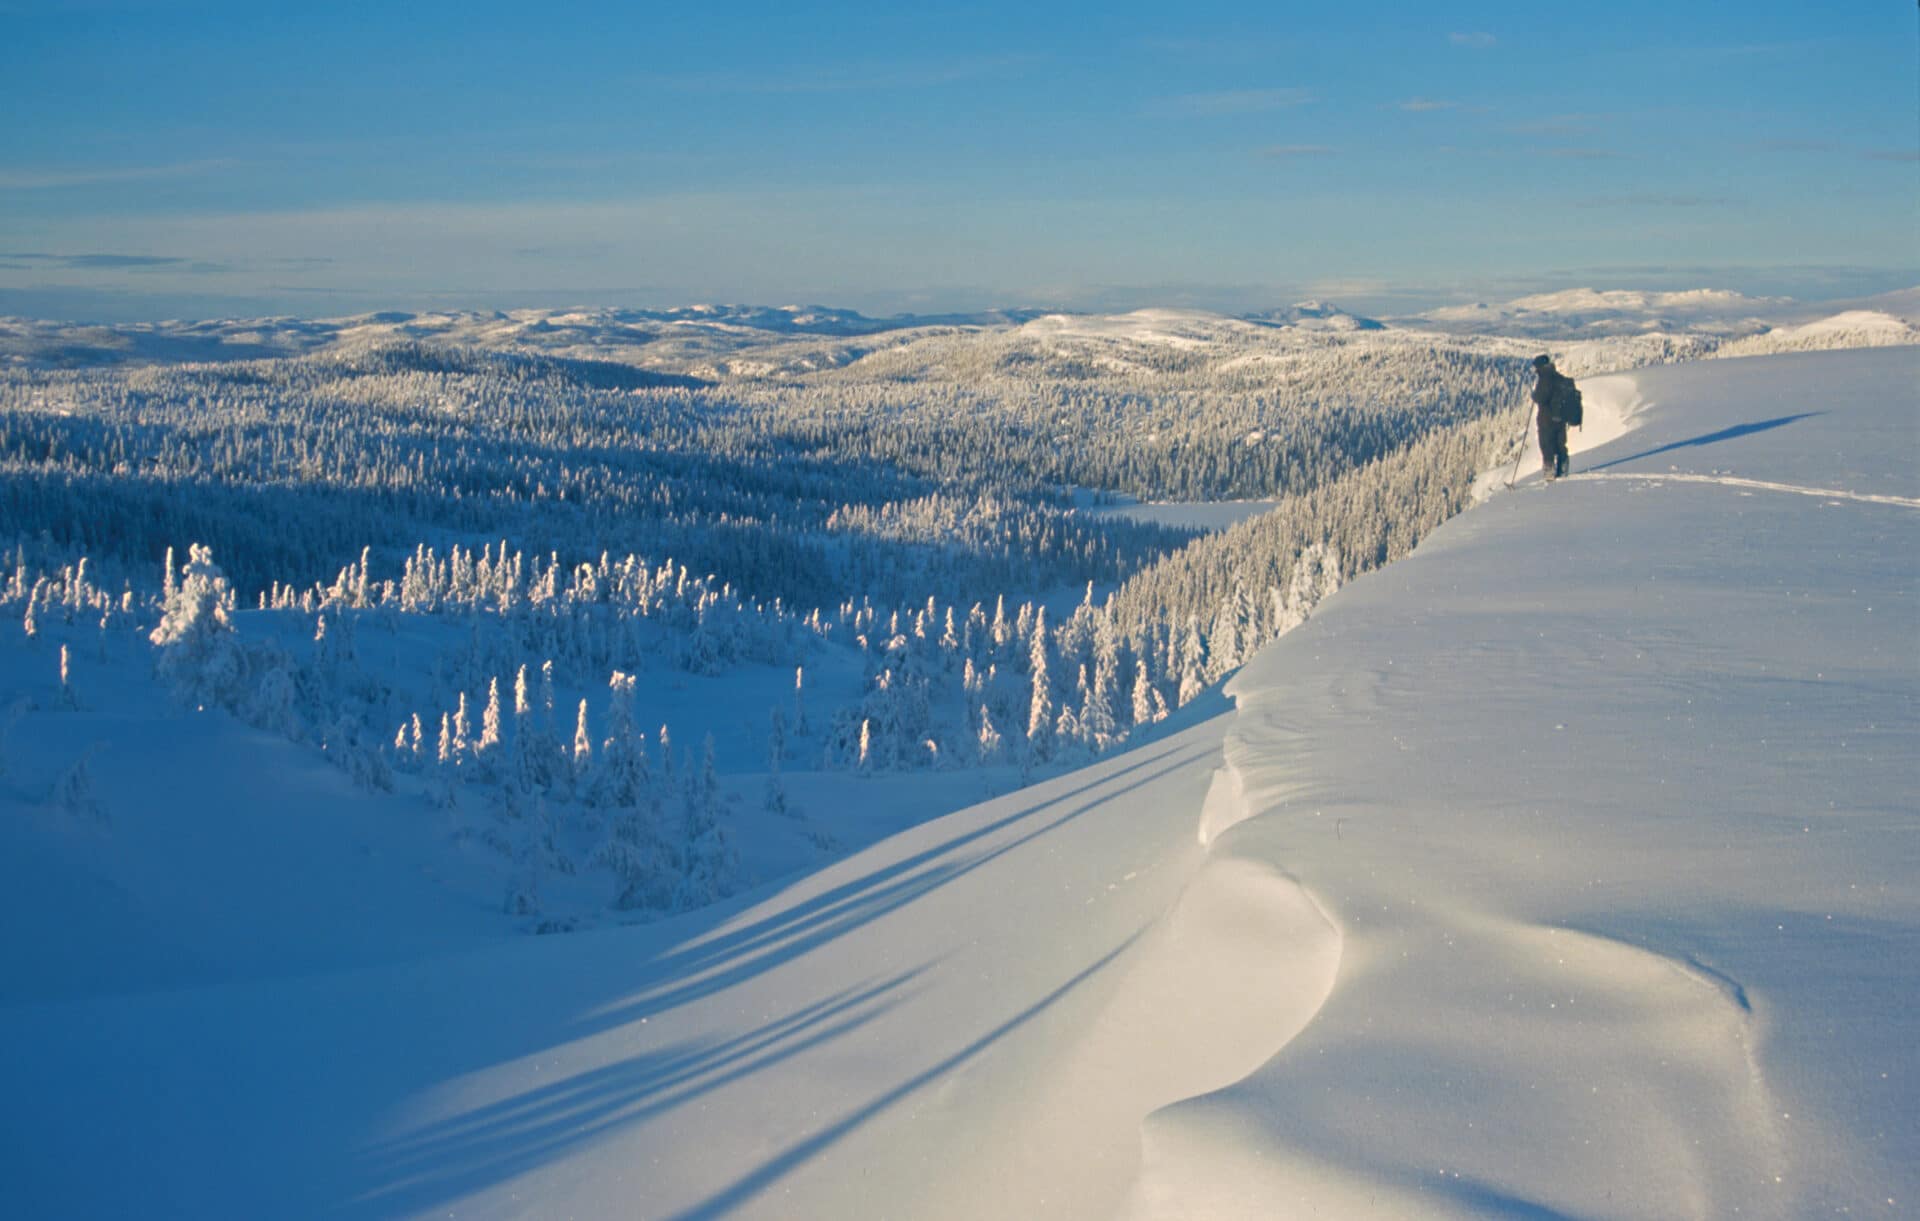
<point>720,340</point>
<point>1316,316</point>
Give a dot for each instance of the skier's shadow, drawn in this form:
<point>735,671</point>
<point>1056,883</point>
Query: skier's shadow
<point>1725,434</point>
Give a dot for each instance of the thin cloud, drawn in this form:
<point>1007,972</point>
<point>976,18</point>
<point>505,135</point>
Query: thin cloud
<point>1654,201</point>
<point>1478,40</point>
<point>23,260</point>
<point>1796,146</point>
<point>1233,101</point>
<point>845,78</point>
<point>1830,147</point>
<point>1287,152</point>
<point>1580,154</point>
<point>1423,105</point>
<point>1559,125</point>
<point>1223,50</point>
<point>30,179</point>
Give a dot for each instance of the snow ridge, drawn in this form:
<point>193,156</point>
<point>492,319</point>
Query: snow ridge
<point>1351,1006</point>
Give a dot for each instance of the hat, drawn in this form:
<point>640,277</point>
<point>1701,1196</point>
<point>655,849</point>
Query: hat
<point>1538,361</point>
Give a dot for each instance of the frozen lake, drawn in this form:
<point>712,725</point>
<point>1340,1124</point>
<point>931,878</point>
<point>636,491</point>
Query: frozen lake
<point>1203,514</point>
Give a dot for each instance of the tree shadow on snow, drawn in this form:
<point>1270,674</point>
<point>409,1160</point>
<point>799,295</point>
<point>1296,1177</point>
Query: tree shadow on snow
<point>430,1165</point>
<point>1712,438</point>
<point>488,1144</point>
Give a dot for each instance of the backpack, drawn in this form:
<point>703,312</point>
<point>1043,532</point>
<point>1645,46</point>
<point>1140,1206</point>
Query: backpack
<point>1566,402</point>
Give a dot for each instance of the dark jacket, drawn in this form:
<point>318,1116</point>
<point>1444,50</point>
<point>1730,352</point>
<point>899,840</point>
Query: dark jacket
<point>1548,391</point>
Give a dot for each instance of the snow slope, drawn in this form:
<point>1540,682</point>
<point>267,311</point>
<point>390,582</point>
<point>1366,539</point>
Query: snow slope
<point>1565,868</point>
<point>1610,790</point>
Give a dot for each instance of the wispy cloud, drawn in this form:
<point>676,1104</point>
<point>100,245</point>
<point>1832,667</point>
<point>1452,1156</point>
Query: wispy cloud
<point>1479,40</point>
<point>23,178</point>
<point>845,78</point>
<point>1796,146</point>
<point>1832,147</point>
<point>1559,125</point>
<point>1287,152</point>
<point>1423,105</point>
<point>1579,154</point>
<point>1233,101</point>
<point>1241,48</point>
<point>1654,201</point>
<point>1786,49</point>
<point>23,260</point>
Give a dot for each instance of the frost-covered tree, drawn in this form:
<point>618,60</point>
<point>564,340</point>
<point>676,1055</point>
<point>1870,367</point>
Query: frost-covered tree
<point>1193,662</point>
<point>582,752</point>
<point>709,856</point>
<point>1040,709</point>
<point>988,740</point>
<point>1148,705</point>
<point>624,777</point>
<point>195,636</point>
<point>462,730</point>
<point>73,793</point>
<point>776,789</point>
<point>490,719</point>
<point>69,698</point>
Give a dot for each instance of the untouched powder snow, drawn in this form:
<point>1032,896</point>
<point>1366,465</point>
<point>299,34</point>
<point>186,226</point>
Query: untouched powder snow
<point>1563,869</point>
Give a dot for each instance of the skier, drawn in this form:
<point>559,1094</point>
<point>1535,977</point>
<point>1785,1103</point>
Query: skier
<point>1558,400</point>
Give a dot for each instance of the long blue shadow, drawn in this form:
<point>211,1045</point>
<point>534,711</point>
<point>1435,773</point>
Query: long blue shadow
<point>1712,438</point>
<point>429,1166</point>
<point>447,1160</point>
<point>716,963</point>
<point>782,1164</point>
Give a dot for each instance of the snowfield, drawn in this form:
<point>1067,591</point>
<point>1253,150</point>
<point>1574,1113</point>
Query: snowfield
<point>1566,868</point>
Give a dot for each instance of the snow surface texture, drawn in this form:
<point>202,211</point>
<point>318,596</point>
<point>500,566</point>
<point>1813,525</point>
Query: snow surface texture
<point>1565,868</point>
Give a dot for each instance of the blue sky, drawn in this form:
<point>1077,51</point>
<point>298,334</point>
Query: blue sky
<point>162,160</point>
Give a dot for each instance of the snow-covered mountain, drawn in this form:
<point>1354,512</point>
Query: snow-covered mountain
<point>1315,316</point>
<point>1585,313</point>
<point>723,341</point>
<point>642,336</point>
<point>1564,868</point>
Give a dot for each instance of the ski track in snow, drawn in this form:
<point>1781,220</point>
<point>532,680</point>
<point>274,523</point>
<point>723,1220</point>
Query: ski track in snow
<point>1758,485</point>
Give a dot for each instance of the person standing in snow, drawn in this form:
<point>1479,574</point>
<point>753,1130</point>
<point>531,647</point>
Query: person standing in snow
<point>1556,398</point>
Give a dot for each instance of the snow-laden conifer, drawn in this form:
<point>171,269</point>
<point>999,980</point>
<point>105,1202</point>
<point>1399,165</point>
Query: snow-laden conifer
<point>1040,707</point>
<point>490,719</point>
<point>775,799</point>
<point>709,856</point>
<point>195,635</point>
<point>988,739</point>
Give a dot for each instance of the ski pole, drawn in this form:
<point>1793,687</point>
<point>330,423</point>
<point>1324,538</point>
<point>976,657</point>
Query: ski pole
<point>1523,451</point>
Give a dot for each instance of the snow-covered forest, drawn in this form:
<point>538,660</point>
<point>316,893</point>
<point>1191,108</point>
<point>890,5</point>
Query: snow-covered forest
<point>599,616</point>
